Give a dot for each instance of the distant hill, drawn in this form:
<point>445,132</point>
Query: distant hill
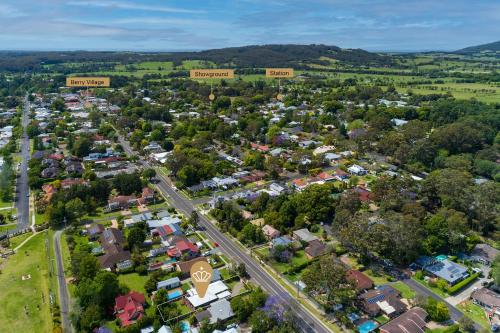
<point>286,55</point>
<point>495,46</point>
<point>289,55</point>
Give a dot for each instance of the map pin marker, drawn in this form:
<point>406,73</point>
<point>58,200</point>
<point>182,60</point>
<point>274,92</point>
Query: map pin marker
<point>201,275</point>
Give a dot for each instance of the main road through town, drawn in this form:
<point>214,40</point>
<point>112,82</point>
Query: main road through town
<point>305,319</point>
<point>22,201</point>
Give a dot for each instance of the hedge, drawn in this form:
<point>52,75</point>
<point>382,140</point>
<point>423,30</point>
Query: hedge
<point>463,283</point>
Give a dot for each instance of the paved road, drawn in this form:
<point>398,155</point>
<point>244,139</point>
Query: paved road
<point>63,287</point>
<point>455,313</point>
<point>307,321</point>
<point>21,198</point>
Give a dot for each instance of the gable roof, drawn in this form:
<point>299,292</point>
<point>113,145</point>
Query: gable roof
<point>185,266</point>
<point>315,248</point>
<point>413,321</point>
<point>362,281</point>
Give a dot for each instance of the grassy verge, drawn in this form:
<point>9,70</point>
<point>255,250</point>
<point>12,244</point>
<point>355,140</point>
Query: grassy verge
<point>406,292</point>
<point>434,289</point>
<point>31,294</point>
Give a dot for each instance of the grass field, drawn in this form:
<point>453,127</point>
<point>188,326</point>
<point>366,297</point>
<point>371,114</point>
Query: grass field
<point>474,312</point>
<point>32,294</point>
<point>15,241</point>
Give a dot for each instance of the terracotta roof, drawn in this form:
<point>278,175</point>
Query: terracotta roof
<point>362,281</point>
<point>130,308</point>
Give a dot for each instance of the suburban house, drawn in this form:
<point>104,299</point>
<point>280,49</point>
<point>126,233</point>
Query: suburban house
<point>121,202</point>
<point>384,299</point>
<point>216,291</point>
<point>412,321</point>
<point>361,281</point>
<point>112,242</point>
<point>94,231</point>
<point>357,170</point>
<point>270,232</point>
<point>129,308</point>
<point>315,249</point>
<point>487,299</point>
<point>445,269</point>
<point>484,253</point>
<point>171,283</point>
<point>217,311</point>
<point>304,235</point>
<point>281,241</point>
<point>185,266</point>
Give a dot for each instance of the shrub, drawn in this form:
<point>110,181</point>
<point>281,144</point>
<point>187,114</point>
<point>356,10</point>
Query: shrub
<point>419,275</point>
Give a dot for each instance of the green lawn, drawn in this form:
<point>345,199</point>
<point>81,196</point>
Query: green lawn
<point>4,228</point>
<point>134,281</point>
<point>298,259</point>
<point>406,292</point>
<point>16,293</point>
<point>378,278</point>
<point>4,204</point>
<point>474,312</point>
<point>15,241</point>
<point>434,289</point>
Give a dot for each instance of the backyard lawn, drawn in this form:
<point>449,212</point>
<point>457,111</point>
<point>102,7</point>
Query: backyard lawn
<point>32,293</point>
<point>134,281</point>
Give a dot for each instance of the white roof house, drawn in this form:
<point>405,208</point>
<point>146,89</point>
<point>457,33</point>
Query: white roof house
<point>216,290</point>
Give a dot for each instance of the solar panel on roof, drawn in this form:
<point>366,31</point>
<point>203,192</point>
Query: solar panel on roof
<point>377,298</point>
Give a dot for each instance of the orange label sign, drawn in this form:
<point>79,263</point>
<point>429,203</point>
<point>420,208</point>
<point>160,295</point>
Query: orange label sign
<point>279,72</point>
<point>87,81</point>
<point>211,73</point>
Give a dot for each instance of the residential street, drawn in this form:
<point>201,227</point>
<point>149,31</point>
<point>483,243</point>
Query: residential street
<point>63,287</point>
<point>308,322</point>
<point>22,189</point>
<point>455,313</point>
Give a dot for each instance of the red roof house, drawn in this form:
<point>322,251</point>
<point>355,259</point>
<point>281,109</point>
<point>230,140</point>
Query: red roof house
<point>362,281</point>
<point>130,308</point>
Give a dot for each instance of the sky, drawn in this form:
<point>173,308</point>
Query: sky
<point>172,25</point>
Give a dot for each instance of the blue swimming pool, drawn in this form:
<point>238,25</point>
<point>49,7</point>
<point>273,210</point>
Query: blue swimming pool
<point>367,326</point>
<point>174,294</point>
<point>185,326</point>
<point>441,257</point>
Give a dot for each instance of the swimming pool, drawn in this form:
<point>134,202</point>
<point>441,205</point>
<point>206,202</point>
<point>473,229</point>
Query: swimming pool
<point>441,257</point>
<point>174,294</point>
<point>367,326</point>
<point>185,326</point>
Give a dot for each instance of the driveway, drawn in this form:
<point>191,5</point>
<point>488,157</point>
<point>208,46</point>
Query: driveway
<point>465,293</point>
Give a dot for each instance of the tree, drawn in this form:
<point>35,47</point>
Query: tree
<point>127,184</point>
<point>149,173</point>
<point>75,208</point>
<point>466,324</point>
<point>438,311</point>
<point>90,318</point>
<point>194,219</point>
<point>136,237</point>
<point>328,277</point>
<point>82,147</point>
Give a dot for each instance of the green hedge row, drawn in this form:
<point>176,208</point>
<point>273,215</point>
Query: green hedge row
<point>463,283</point>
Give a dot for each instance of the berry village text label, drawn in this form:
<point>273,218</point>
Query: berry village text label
<point>87,81</point>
